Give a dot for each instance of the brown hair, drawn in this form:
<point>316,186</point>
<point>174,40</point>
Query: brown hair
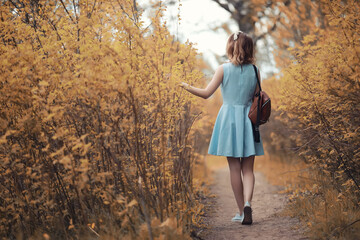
<point>241,50</point>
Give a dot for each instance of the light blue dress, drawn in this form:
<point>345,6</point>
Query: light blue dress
<point>233,134</point>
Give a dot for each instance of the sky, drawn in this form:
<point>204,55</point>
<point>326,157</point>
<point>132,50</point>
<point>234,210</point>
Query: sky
<point>198,19</point>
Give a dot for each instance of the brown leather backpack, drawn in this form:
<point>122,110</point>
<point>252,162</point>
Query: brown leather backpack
<point>260,109</point>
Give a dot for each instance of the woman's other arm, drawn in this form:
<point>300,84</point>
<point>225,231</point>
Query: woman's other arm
<point>210,88</point>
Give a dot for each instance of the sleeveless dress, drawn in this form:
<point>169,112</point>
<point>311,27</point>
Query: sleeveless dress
<point>233,132</point>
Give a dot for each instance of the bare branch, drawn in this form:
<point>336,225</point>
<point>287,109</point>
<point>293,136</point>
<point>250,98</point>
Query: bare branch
<point>63,4</point>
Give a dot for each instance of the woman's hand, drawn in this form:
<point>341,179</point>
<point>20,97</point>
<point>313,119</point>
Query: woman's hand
<point>184,85</point>
<point>210,88</point>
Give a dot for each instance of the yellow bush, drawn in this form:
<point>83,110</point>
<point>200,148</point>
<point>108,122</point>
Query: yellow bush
<point>94,132</point>
<point>320,93</point>
<point>317,99</point>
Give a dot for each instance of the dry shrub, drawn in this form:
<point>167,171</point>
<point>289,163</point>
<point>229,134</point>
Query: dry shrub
<point>327,212</point>
<point>95,133</point>
<point>317,119</point>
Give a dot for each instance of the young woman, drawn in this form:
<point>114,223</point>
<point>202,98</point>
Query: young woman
<point>233,131</point>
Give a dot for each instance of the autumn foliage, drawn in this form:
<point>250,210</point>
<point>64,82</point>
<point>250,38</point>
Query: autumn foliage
<point>96,138</point>
<point>317,114</point>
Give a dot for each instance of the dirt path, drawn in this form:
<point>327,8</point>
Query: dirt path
<point>266,205</point>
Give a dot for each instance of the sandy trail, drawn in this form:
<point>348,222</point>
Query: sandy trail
<point>267,203</point>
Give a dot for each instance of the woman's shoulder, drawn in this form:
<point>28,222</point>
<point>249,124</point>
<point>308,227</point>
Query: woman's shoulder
<point>227,65</point>
<point>230,64</point>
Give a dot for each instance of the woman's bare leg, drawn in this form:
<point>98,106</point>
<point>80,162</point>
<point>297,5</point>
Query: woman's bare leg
<point>236,181</point>
<point>247,166</point>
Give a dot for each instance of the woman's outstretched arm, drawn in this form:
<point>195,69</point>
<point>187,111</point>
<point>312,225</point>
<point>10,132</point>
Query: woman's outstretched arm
<point>210,88</point>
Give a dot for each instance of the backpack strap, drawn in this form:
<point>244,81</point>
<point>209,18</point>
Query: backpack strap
<point>256,127</point>
<point>257,78</point>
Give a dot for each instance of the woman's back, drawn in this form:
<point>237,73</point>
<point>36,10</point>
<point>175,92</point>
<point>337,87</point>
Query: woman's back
<point>233,132</point>
<point>238,85</point>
